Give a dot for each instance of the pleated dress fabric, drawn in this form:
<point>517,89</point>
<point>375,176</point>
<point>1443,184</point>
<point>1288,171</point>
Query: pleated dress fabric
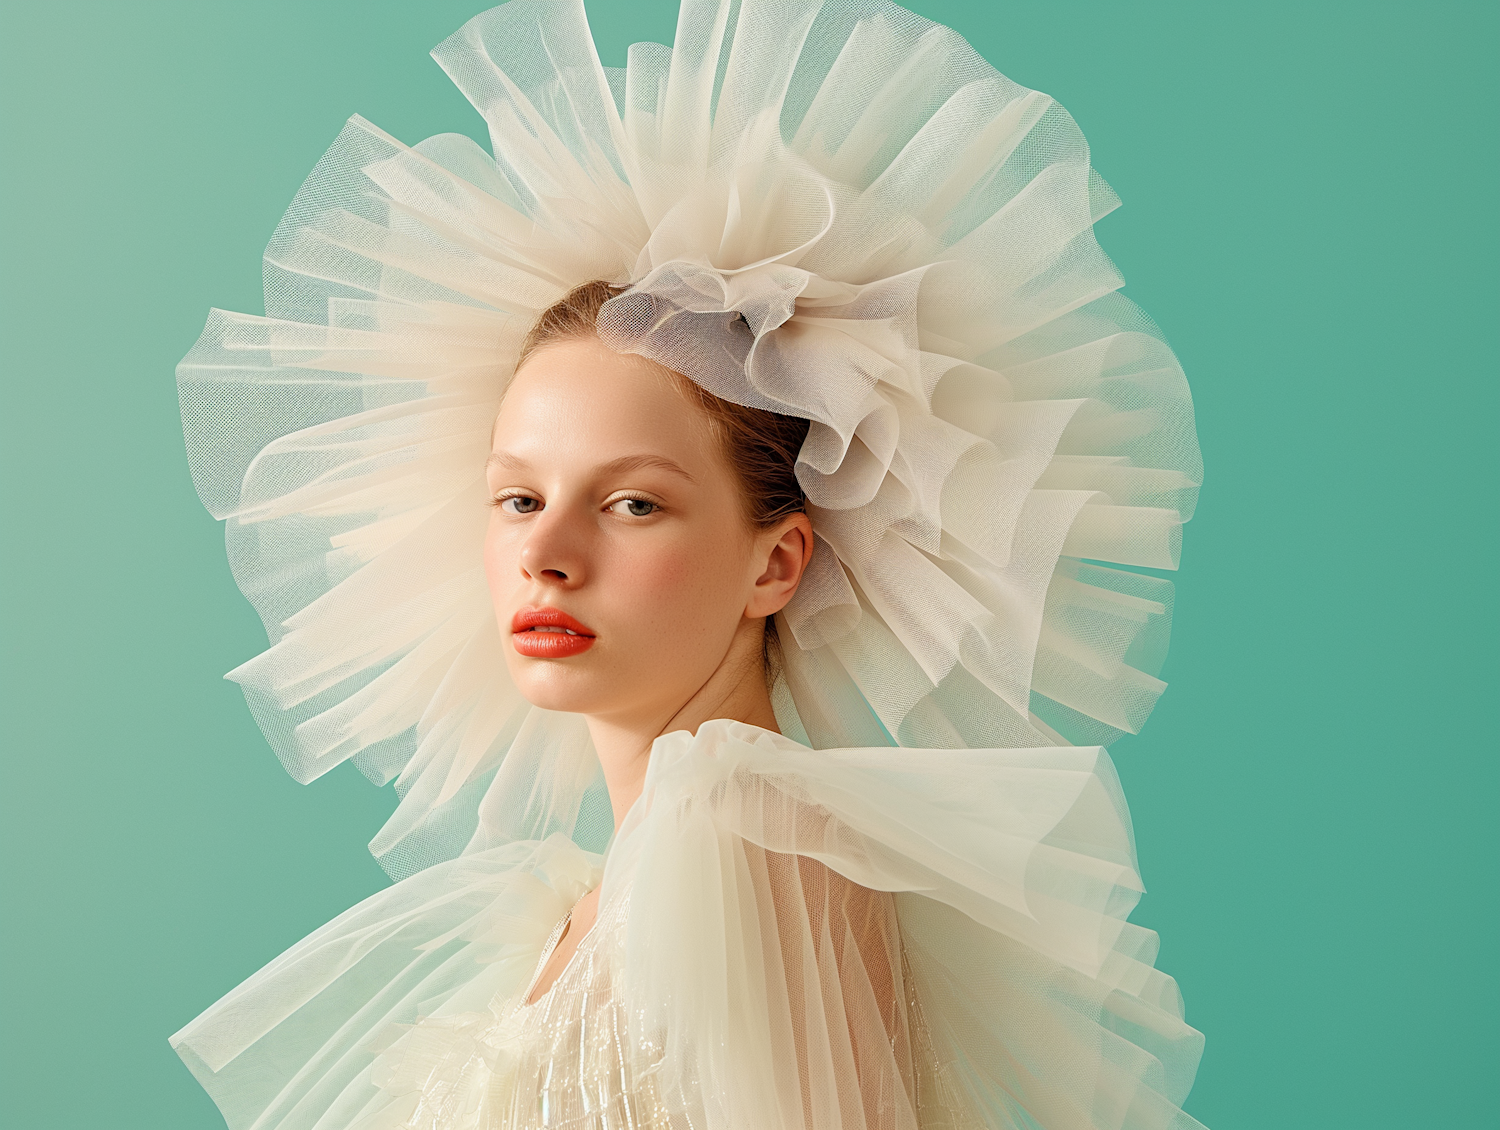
<point>908,911</point>
<point>786,938</point>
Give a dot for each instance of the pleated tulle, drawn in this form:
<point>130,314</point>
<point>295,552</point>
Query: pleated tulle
<point>835,210</point>
<point>914,917</point>
<point>787,938</point>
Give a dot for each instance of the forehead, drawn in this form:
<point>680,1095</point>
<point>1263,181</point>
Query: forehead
<point>577,399</point>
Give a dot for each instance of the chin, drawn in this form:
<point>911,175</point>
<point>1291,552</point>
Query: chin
<point>569,692</point>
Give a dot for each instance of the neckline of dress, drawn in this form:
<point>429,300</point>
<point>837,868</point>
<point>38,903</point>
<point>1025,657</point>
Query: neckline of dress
<point>555,939</point>
<point>548,949</point>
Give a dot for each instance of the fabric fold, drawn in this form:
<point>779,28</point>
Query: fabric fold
<point>913,914</point>
<point>787,938</point>
<point>836,211</point>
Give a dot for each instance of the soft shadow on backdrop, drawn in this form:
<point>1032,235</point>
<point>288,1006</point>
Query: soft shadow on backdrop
<point>1308,214</point>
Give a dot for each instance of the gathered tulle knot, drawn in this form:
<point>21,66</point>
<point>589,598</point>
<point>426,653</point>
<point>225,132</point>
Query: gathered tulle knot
<point>782,339</point>
<point>845,357</point>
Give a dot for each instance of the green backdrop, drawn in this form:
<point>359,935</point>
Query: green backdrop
<point>1310,215</point>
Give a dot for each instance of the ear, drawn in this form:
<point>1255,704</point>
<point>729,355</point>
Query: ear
<point>787,548</point>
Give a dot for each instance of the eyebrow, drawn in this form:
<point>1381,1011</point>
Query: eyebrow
<point>641,462</point>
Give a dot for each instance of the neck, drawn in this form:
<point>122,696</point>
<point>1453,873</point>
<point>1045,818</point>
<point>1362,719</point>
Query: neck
<point>736,690</point>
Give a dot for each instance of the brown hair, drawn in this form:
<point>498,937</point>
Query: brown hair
<point>761,446</point>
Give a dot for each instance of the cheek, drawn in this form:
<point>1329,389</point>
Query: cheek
<point>682,585</point>
<point>650,578</point>
<point>500,555</point>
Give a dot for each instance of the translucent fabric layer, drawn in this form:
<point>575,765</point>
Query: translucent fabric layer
<point>834,210</point>
<point>787,938</point>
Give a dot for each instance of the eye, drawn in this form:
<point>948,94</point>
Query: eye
<point>518,504</point>
<point>634,507</point>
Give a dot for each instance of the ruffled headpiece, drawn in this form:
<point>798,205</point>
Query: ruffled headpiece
<point>835,211</point>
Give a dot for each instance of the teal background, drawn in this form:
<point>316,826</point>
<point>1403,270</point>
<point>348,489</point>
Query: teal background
<point>1310,215</point>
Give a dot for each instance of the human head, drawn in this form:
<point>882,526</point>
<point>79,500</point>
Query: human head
<point>667,521</point>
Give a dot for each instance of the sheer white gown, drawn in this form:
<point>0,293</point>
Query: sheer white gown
<point>911,910</point>
<point>786,938</point>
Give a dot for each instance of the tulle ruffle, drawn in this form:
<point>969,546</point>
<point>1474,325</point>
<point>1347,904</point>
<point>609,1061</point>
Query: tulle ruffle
<point>901,239</point>
<point>1004,987</point>
<point>293,1047</point>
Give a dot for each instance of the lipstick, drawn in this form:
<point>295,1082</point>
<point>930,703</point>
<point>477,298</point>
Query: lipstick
<point>549,633</point>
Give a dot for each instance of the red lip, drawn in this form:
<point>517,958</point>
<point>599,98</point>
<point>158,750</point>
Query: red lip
<point>549,633</point>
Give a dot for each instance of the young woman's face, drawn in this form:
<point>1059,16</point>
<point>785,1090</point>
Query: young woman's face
<point>618,556</point>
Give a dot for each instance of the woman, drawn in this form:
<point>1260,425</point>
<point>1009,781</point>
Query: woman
<point>694,509</point>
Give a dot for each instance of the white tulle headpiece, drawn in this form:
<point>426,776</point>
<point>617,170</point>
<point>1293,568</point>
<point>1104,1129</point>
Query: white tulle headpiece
<point>836,211</point>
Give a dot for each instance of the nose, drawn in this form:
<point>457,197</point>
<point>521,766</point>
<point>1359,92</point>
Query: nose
<point>551,553</point>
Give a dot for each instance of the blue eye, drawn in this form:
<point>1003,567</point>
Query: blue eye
<point>520,504</point>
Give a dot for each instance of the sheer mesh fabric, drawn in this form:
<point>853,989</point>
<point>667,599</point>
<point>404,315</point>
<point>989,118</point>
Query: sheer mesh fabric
<point>836,210</point>
<point>913,907</point>
<point>786,938</point>
<point>854,1052</point>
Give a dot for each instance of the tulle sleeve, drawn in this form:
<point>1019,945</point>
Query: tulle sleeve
<point>893,938</point>
<point>788,939</point>
<point>838,959</point>
<point>412,971</point>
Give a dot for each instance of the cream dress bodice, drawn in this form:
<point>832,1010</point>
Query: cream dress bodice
<point>576,1065</point>
<point>787,939</point>
<point>580,1063</point>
